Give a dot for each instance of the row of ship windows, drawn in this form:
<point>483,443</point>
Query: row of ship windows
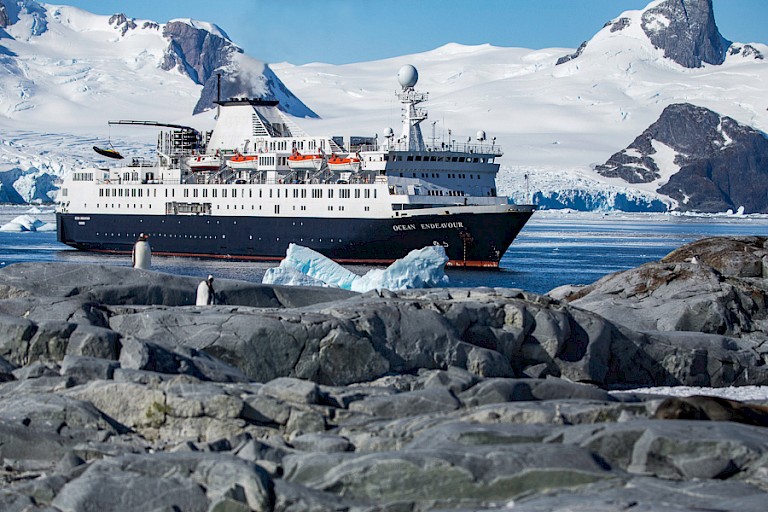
<point>317,193</point>
<point>431,158</point>
<point>205,237</point>
<point>218,207</point>
<point>437,175</point>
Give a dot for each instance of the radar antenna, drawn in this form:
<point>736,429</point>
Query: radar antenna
<point>412,116</point>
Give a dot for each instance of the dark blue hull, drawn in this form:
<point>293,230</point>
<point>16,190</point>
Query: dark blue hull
<point>476,240</point>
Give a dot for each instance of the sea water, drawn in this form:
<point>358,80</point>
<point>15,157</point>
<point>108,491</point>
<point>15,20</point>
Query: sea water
<point>554,248</point>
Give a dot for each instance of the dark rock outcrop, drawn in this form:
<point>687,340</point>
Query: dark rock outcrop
<point>203,55</point>
<point>686,31</point>
<point>722,164</point>
<point>196,52</point>
<point>117,394</point>
<point>5,20</point>
<point>122,23</point>
<point>715,286</point>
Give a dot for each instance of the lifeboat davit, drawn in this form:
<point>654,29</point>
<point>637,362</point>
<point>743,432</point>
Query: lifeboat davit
<point>306,162</point>
<point>339,164</point>
<point>244,162</point>
<point>204,162</point>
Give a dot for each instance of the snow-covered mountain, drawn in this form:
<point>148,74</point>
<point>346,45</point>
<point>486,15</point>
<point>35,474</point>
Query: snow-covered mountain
<point>558,113</point>
<point>704,161</point>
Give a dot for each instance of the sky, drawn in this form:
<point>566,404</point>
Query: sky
<point>346,31</point>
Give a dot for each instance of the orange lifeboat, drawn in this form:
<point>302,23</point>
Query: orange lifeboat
<point>339,164</point>
<point>244,161</point>
<point>306,162</point>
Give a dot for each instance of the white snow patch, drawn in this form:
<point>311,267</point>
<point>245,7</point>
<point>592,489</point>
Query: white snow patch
<point>742,393</point>
<point>665,161</point>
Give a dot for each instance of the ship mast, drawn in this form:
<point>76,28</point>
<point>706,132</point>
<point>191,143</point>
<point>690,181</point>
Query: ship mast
<point>412,115</point>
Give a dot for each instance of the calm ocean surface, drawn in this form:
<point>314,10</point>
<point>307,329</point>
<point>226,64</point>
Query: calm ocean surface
<point>555,248</point>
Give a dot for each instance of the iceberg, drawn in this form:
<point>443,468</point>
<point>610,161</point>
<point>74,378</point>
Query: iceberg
<point>27,223</point>
<point>421,268</point>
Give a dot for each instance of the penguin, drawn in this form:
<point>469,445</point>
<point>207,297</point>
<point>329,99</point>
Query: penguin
<point>205,293</point>
<point>141,256</point>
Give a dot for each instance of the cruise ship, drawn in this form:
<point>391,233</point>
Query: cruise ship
<point>257,183</point>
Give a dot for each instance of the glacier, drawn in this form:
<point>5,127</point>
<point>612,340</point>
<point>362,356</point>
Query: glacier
<point>420,268</point>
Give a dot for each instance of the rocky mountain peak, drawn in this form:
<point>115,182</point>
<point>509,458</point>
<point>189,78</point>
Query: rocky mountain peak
<point>714,163</point>
<point>686,31</point>
<point>4,19</point>
<point>195,52</point>
<point>203,51</point>
<point>11,10</point>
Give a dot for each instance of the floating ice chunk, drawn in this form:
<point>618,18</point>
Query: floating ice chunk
<point>290,276</point>
<point>317,266</point>
<point>26,223</point>
<point>422,268</point>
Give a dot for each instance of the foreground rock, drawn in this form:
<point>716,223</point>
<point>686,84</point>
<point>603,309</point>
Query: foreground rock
<point>116,393</point>
<point>717,286</point>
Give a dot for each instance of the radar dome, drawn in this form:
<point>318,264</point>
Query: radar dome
<point>388,132</point>
<point>480,135</point>
<point>407,76</point>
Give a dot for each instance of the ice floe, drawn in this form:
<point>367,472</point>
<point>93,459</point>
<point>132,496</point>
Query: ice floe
<point>421,268</point>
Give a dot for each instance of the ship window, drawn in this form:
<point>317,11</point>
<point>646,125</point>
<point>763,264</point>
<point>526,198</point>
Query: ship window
<point>295,192</point>
<point>214,192</point>
<point>410,158</point>
<point>186,192</point>
<point>367,193</point>
<point>357,193</point>
<point>205,192</point>
<point>101,192</point>
<point>461,159</point>
<point>259,192</point>
<point>270,193</point>
<point>418,158</point>
<point>304,193</point>
<point>330,194</point>
<point>454,159</point>
<point>414,174</point>
<point>194,193</point>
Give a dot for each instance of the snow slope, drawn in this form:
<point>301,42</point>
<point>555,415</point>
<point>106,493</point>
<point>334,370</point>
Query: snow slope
<point>554,122</point>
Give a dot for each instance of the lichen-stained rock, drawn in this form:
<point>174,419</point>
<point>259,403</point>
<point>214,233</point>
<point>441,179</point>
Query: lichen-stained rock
<point>645,494</point>
<point>193,481</point>
<point>448,476</point>
<point>720,292</point>
<point>678,450</point>
<point>731,256</point>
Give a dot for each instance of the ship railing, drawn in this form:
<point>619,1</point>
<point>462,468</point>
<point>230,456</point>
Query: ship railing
<point>482,148</point>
